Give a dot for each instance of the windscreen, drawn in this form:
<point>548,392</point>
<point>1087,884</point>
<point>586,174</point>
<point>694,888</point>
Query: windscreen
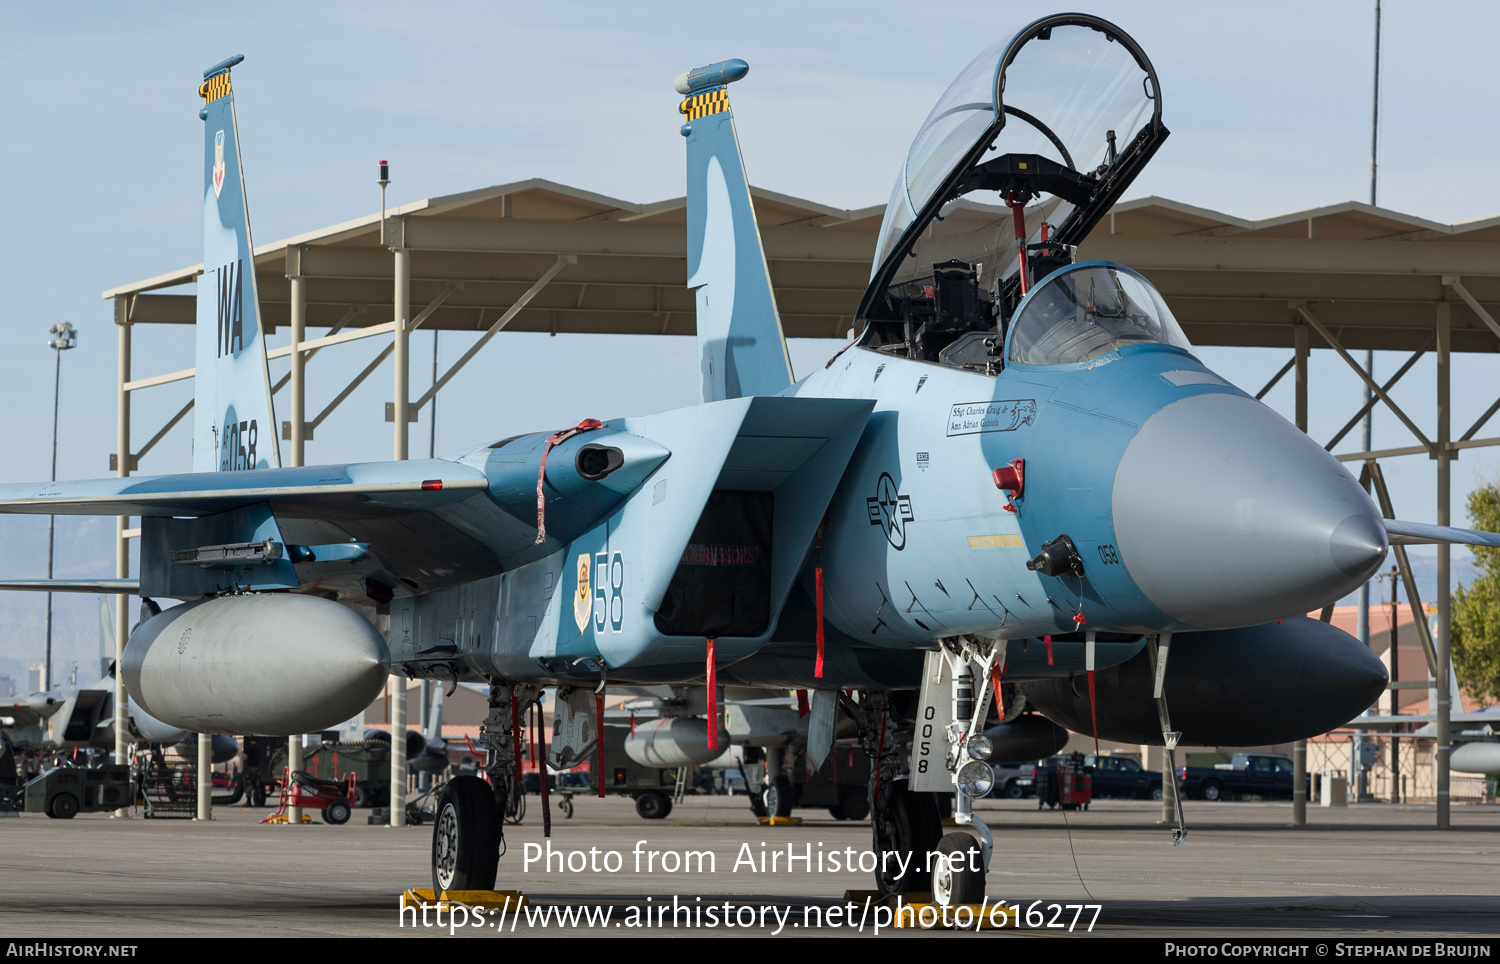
<point>1072,92</point>
<point>1084,311</point>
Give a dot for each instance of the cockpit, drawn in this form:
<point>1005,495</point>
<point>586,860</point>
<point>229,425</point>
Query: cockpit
<point>1028,148</point>
<point>1087,310</point>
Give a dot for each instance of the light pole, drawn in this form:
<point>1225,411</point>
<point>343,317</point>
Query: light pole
<point>63,338</point>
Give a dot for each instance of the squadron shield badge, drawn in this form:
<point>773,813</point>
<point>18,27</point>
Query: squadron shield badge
<point>583,599</point>
<point>218,163</point>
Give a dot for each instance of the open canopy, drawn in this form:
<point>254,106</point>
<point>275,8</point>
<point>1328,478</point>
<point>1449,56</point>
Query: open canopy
<point>1062,117</point>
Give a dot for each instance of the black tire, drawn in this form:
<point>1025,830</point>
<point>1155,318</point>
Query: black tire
<point>64,806</point>
<point>566,806</point>
<point>854,806</point>
<point>1156,794</point>
<point>466,837</point>
<point>779,797</point>
<point>652,806</point>
<point>361,797</point>
<point>336,813</point>
<point>963,884</point>
<point>1212,791</point>
<point>907,823</point>
<point>1014,790</point>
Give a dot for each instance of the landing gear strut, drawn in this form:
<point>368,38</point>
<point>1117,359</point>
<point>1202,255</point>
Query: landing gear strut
<point>467,833</point>
<point>905,824</point>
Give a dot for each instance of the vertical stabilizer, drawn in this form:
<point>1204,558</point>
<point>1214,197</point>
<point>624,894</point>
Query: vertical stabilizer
<point>234,426</point>
<point>742,350</point>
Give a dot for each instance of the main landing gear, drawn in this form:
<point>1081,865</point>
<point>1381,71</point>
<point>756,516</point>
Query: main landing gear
<point>466,837</point>
<point>467,833</point>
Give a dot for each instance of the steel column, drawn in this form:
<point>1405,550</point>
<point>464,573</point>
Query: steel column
<point>205,777</point>
<point>1444,556</point>
<point>298,376</point>
<point>293,763</point>
<point>122,544</point>
<point>1299,749</point>
<point>397,684</point>
<point>298,357</point>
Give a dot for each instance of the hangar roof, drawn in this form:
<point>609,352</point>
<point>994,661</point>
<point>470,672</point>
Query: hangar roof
<point>1371,276</point>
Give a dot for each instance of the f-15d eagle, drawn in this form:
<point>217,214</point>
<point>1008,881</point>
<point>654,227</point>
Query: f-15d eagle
<point>1018,478</point>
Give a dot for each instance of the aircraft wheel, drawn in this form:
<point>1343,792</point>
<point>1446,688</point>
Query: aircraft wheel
<point>963,884</point>
<point>1212,792</point>
<point>64,806</point>
<point>652,806</point>
<point>466,837</point>
<point>905,823</point>
<point>853,807</point>
<point>336,813</point>
<point>779,798</point>
<point>566,806</point>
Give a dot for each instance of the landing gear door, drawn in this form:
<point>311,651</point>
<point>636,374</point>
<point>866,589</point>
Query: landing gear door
<point>929,746</point>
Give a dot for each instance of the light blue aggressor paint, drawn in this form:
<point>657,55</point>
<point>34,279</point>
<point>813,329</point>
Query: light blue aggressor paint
<point>234,424</point>
<point>741,345</point>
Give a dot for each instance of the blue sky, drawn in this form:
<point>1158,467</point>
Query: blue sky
<point>1269,104</point>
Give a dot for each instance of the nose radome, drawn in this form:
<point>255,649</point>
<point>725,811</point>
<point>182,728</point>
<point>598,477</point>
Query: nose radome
<point>1226,515</point>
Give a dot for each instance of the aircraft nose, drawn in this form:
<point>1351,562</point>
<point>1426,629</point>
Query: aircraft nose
<point>1226,515</point>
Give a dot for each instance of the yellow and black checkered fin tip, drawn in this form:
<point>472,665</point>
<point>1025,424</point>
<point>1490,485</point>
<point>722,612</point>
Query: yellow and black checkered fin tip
<point>214,87</point>
<point>714,101</point>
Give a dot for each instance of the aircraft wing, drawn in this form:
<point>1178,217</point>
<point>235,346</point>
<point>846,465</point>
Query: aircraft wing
<point>378,487</point>
<point>421,524</point>
<point>29,710</point>
<point>72,585</point>
<point>1417,534</point>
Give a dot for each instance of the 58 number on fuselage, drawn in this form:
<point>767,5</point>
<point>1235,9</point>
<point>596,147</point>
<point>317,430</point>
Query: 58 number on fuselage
<point>609,588</point>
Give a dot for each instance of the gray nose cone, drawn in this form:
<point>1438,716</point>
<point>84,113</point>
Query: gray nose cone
<point>1226,515</point>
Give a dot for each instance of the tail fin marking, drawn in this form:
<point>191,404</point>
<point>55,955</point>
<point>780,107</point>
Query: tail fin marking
<point>234,424</point>
<point>741,345</point>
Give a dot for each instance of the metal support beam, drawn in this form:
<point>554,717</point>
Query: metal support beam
<point>1479,423</point>
<point>563,260</point>
<point>1364,375</point>
<point>1453,282</point>
<point>298,373</point>
<point>171,423</point>
<point>122,544</point>
<point>1445,457</point>
<point>1276,378</point>
<point>1299,749</point>
<point>1370,398</point>
<point>1415,450</point>
<point>354,312</point>
<point>205,770</point>
<point>349,388</point>
<point>401,344</point>
<point>1403,565</point>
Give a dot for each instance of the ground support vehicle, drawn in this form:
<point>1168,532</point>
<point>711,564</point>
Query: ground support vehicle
<point>1064,782</point>
<point>300,789</point>
<point>840,786</point>
<point>67,791</point>
<point>368,760</point>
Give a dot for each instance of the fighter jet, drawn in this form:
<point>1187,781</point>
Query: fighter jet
<point>1018,473</point>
